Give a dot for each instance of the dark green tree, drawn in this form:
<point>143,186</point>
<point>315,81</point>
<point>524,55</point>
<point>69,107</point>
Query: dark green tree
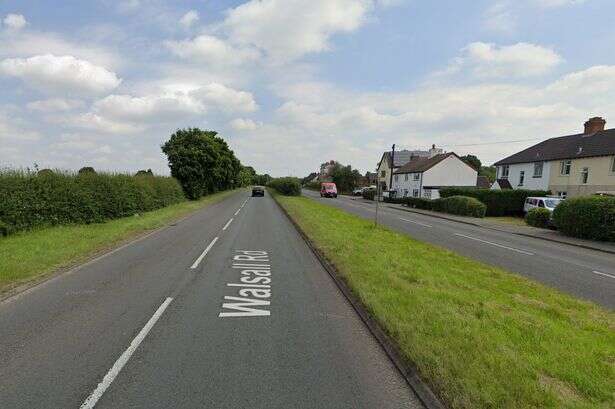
<point>472,161</point>
<point>488,171</point>
<point>201,161</point>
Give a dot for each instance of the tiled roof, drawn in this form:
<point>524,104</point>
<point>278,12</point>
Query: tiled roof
<point>404,156</point>
<point>566,147</point>
<point>482,182</point>
<point>423,164</point>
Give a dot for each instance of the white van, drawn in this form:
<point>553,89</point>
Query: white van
<point>549,203</point>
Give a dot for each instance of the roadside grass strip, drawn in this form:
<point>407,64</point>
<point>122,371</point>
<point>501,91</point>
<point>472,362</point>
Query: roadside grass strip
<point>30,255</point>
<point>482,337</point>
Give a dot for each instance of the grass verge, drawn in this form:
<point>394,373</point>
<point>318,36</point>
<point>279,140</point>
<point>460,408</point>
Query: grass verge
<point>29,256</point>
<point>517,221</point>
<point>480,336</point>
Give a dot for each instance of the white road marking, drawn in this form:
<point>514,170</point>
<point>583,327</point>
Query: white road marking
<point>237,212</point>
<point>603,274</point>
<point>412,221</point>
<point>202,256</point>
<point>91,401</point>
<point>228,224</point>
<point>495,244</point>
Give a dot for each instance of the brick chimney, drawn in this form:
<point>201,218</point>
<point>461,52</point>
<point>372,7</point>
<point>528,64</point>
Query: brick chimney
<point>594,125</point>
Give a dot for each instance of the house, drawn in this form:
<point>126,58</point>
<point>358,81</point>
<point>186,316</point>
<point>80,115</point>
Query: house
<point>402,157</point>
<point>501,184</point>
<point>425,177</point>
<point>325,171</point>
<point>482,182</point>
<point>573,165</point>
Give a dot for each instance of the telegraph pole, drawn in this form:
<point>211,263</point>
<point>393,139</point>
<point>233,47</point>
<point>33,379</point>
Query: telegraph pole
<point>392,169</point>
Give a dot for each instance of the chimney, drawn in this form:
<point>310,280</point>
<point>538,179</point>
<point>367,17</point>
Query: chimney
<point>435,151</point>
<point>594,125</point>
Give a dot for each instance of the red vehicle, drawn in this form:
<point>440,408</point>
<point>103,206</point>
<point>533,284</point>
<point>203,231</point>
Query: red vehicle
<point>328,190</point>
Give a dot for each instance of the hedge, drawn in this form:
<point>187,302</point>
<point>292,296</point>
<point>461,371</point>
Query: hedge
<point>538,217</point>
<point>30,200</point>
<point>589,217</point>
<point>499,202</point>
<point>287,186</point>
<point>459,205</point>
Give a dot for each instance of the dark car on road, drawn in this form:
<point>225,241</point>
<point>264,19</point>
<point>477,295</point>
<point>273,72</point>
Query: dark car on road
<point>258,191</point>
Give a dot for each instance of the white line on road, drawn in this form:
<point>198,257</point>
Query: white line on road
<point>227,224</point>
<point>412,221</point>
<point>91,401</point>
<point>495,244</point>
<point>237,212</point>
<point>202,256</point>
<point>603,274</point>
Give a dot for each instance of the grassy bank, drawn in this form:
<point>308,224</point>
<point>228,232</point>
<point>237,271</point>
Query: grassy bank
<point>30,255</point>
<point>480,336</point>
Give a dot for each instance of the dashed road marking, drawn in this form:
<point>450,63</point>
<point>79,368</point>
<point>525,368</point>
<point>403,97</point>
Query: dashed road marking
<point>91,401</point>
<point>415,222</point>
<point>202,256</point>
<point>227,224</point>
<point>495,244</point>
<point>604,274</point>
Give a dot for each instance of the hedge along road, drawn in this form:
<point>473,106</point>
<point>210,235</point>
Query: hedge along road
<point>226,309</point>
<point>585,273</point>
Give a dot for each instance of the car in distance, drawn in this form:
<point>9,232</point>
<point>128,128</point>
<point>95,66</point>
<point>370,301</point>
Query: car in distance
<point>328,189</point>
<point>549,203</point>
<point>258,191</point>
<point>358,191</point>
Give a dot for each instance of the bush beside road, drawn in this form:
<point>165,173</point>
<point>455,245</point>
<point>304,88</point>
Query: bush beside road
<point>481,336</point>
<point>587,218</point>
<point>28,256</point>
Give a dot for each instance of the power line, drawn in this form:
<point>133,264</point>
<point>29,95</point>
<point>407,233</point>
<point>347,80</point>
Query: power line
<point>491,143</point>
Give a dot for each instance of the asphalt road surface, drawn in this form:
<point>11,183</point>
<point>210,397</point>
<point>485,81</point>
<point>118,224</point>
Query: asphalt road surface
<point>585,273</point>
<point>225,309</point>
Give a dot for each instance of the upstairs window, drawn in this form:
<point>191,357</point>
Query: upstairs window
<point>406,177</point>
<point>538,169</point>
<point>397,178</point>
<point>521,177</point>
<point>383,173</point>
<point>565,167</point>
<point>416,176</point>
<point>505,170</point>
<point>584,175</point>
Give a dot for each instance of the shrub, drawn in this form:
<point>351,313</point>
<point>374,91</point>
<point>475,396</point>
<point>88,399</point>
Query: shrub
<point>30,200</point>
<point>369,194</point>
<point>287,186</point>
<point>538,217</point>
<point>4,229</point>
<point>419,203</point>
<point>498,202</point>
<point>587,217</point>
<point>86,169</point>
<point>461,205</point>
<point>312,185</point>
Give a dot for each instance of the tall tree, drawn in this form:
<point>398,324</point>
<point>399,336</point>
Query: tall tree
<point>472,161</point>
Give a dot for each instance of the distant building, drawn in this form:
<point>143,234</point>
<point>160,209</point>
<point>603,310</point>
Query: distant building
<point>401,158</point>
<point>482,182</point>
<point>573,165</point>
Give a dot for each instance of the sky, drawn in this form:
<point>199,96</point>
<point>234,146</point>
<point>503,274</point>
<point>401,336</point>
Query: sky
<point>290,84</point>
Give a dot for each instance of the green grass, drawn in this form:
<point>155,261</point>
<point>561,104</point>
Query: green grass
<point>517,221</point>
<point>31,255</point>
<point>481,337</point>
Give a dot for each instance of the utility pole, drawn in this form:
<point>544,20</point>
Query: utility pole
<point>392,169</point>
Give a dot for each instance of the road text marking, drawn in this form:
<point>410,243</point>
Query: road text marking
<point>227,224</point>
<point>202,256</point>
<point>495,244</point>
<point>91,401</point>
<point>603,274</point>
<point>412,221</point>
<point>254,289</point>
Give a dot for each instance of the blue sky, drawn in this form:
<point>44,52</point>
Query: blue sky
<point>292,83</point>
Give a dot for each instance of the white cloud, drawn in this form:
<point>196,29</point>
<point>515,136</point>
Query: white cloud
<point>597,82</point>
<point>225,98</point>
<point>241,124</point>
<point>189,18</point>
<point>55,105</point>
<point>15,21</point>
<point>148,108</point>
<point>484,60</point>
<point>288,29</point>
<point>15,129</point>
<point>557,3</point>
<point>64,74</point>
<point>212,50</point>
<point>500,17</point>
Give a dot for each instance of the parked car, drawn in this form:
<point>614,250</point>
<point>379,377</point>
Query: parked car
<point>549,203</point>
<point>328,189</point>
<point>358,191</point>
<point>258,191</point>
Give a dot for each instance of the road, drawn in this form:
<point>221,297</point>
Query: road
<point>585,273</point>
<point>168,322</point>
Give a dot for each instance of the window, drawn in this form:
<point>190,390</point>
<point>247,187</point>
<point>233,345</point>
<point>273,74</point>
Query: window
<point>541,203</point>
<point>383,173</point>
<point>427,193</point>
<point>406,177</point>
<point>415,193</point>
<point>521,177</point>
<point>584,175</point>
<point>405,192</point>
<point>505,170</point>
<point>397,178</point>
<point>613,165</point>
<point>565,167</point>
<point>416,176</point>
<point>538,169</point>
<point>562,195</point>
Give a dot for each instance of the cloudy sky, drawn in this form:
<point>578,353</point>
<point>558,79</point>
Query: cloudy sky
<point>292,83</point>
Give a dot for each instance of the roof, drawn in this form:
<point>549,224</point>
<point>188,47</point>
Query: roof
<point>423,164</point>
<point>403,157</point>
<point>482,182</point>
<point>566,147</point>
<point>504,184</point>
